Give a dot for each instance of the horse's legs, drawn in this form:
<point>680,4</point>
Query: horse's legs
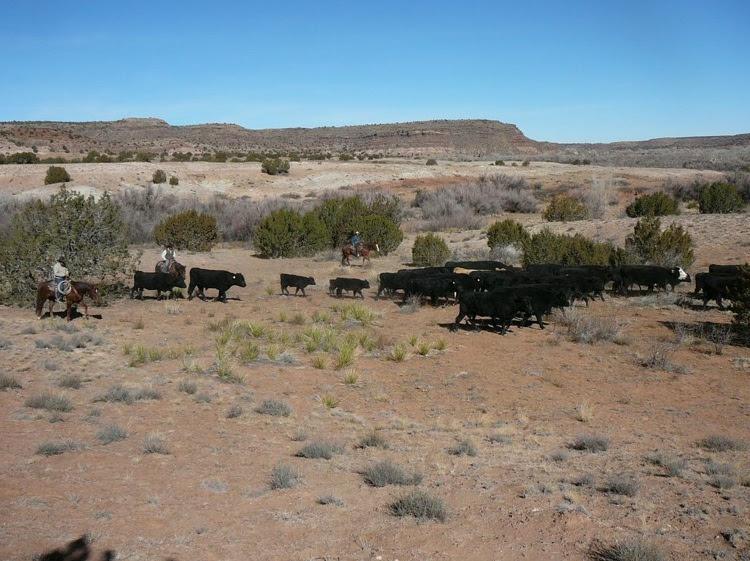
<point>68,309</point>
<point>85,309</point>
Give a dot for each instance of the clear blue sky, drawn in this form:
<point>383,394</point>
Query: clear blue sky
<point>594,70</point>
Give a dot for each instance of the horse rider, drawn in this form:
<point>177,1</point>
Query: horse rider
<point>61,275</point>
<point>167,257</point>
<point>356,241</point>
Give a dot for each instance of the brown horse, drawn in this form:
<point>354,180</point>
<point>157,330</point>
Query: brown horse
<point>364,251</point>
<point>174,268</point>
<point>45,292</point>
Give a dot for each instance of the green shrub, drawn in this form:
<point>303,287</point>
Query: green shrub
<point>507,232</point>
<point>719,198</point>
<point>655,204</point>
<point>90,233</point>
<point>192,230</point>
<point>430,250</point>
<point>56,174</point>
<point>174,181</point>
<point>381,230</point>
<point>343,215</point>
<point>669,248</point>
<point>741,304</point>
<point>547,247</point>
<point>563,208</point>
<point>144,157</point>
<point>431,162</point>
<point>345,157</point>
<point>221,157</point>
<point>287,233</point>
<point>499,163</point>
<point>22,158</point>
<point>274,166</point>
<point>159,176</point>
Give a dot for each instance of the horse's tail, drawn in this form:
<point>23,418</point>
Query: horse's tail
<point>40,299</point>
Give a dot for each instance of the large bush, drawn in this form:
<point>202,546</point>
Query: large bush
<point>741,305</point>
<point>430,250</point>
<point>668,248</point>
<point>655,204</point>
<point>159,176</point>
<point>274,166</point>
<point>719,198</point>
<point>507,232</point>
<point>547,247</point>
<point>564,208</point>
<point>22,158</point>
<point>195,231</point>
<point>381,230</point>
<point>342,216</point>
<point>287,233</point>
<point>90,233</point>
<point>56,174</point>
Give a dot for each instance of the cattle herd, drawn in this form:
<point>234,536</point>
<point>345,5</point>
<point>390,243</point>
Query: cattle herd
<point>498,293</point>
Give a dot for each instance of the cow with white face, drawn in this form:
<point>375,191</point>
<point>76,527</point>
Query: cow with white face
<point>650,276</point>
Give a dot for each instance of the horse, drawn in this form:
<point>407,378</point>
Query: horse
<point>364,251</point>
<point>46,292</point>
<point>173,268</point>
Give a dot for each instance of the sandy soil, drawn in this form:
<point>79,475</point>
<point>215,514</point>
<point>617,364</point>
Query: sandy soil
<point>514,396</point>
<point>245,179</point>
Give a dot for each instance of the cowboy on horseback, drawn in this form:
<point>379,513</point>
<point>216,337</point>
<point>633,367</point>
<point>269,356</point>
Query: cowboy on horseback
<point>61,277</point>
<point>168,256</point>
<point>356,242</point>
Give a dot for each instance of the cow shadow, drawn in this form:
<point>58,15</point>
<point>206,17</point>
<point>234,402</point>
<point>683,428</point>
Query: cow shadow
<point>483,326</point>
<point>76,550</point>
<point>715,334</point>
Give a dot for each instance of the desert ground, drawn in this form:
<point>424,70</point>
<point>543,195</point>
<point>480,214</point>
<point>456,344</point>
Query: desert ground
<point>202,180</point>
<point>189,473</point>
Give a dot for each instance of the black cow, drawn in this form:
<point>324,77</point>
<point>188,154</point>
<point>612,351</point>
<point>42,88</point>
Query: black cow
<point>649,276</point>
<point>340,284</point>
<point>433,287</point>
<point>209,278</point>
<point>477,265</point>
<point>160,282</point>
<point>501,309</point>
<point>719,287</point>
<point>298,282</point>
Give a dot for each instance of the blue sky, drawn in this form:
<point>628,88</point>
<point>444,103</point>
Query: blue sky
<point>562,71</point>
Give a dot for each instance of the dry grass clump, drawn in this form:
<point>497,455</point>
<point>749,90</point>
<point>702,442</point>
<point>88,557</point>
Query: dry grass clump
<point>419,504</point>
<point>121,394</point>
<point>188,386</point>
<point>111,433</point>
<point>319,450</point>
<point>463,447</point>
<point>581,327</point>
<point>8,382</point>
<point>673,467</point>
<point>345,356</point>
<point>329,401</point>
<point>386,472</point>
<point>70,381</point>
<point>373,440</point>
<point>621,485</point>
<point>398,353</point>
<point>633,549</point>
<point>721,443</point>
<point>49,402</point>
<point>498,438</point>
<point>57,447</point>
<point>234,411</point>
<point>329,500</point>
<point>659,357</point>
<point>584,412</point>
<point>283,477</point>
<point>155,444</point>
<point>356,312</point>
<point>590,443</point>
<point>274,408</point>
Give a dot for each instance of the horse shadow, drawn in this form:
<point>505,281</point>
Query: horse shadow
<point>74,314</point>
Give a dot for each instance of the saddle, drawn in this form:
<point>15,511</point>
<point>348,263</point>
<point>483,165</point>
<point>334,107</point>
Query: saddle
<point>62,288</point>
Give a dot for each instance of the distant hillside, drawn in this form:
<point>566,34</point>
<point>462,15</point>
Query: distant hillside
<point>450,139</point>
